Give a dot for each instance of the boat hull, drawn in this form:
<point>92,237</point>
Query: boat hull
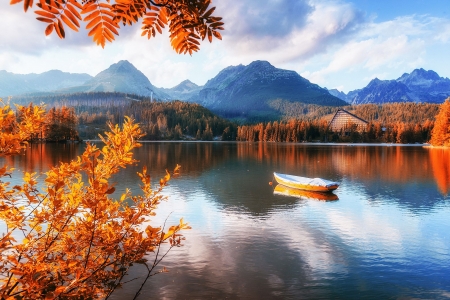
<point>307,184</point>
<point>310,195</point>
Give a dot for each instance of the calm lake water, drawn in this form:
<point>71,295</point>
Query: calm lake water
<point>386,237</point>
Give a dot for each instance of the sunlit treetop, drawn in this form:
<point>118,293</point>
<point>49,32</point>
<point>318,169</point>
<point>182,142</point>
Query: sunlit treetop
<point>189,21</point>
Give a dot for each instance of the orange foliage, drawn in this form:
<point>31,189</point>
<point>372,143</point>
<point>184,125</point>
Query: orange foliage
<point>440,161</point>
<point>72,239</point>
<point>440,136</point>
<point>16,130</point>
<point>189,21</point>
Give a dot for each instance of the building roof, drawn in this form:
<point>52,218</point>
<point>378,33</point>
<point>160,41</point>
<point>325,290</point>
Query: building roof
<point>343,118</point>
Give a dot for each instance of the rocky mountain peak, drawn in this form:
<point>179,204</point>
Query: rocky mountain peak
<point>418,86</point>
<point>260,65</point>
<point>186,84</point>
<point>419,76</point>
<point>248,90</point>
<point>123,66</point>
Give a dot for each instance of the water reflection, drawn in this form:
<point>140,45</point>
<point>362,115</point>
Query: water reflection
<point>386,237</point>
<point>290,192</point>
<point>40,157</point>
<point>238,173</point>
<point>440,161</point>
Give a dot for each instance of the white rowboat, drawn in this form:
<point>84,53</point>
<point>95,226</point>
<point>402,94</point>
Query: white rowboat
<point>304,183</point>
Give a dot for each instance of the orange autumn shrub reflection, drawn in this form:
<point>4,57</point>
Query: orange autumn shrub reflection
<point>72,239</point>
<point>440,161</point>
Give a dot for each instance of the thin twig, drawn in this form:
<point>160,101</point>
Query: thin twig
<point>155,262</point>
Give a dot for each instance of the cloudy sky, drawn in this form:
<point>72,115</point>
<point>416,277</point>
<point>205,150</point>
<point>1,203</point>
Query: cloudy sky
<point>336,44</point>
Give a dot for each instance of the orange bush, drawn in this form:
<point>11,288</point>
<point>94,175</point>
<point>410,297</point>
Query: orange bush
<point>72,239</point>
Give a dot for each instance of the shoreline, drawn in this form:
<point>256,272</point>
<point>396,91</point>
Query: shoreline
<point>290,143</point>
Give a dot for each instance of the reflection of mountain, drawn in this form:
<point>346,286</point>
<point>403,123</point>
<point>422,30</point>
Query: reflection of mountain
<point>244,185</point>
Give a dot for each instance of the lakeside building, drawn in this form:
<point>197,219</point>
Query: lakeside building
<point>345,122</point>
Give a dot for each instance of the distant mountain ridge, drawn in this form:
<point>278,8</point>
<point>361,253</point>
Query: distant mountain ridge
<point>183,91</point>
<point>256,91</point>
<point>248,90</point>
<point>120,77</point>
<point>418,86</point>
<point>236,91</point>
<point>16,84</point>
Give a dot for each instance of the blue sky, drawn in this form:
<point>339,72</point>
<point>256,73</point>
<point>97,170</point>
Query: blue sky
<point>335,44</point>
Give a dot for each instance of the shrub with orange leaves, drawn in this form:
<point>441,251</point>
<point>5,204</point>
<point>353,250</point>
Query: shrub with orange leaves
<point>16,130</point>
<point>72,239</point>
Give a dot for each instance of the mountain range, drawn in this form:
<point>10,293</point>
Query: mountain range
<point>249,90</point>
<point>237,91</point>
<point>119,77</point>
<point>418,86</point>
<point>18,84</point>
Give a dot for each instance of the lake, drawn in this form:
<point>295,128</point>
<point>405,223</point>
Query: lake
<point>387,236</point>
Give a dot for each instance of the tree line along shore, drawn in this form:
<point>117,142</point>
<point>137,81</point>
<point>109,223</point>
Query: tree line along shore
<point>177,120</point>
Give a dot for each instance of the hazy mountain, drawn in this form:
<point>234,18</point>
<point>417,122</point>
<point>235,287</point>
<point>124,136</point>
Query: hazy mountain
<point>17,84</point>
<point>120,77</point>
<point>248,90</point>
<point>183,91</point>
<point>418,86</point>
<point>384,91</point>
<point>338,94</point>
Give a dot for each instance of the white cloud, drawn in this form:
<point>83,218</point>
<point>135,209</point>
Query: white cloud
<point>395,46</point>
<point>316,29</point>
<point>331,43</point>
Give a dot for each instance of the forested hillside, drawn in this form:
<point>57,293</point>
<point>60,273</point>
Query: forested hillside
<point>396,112</point>
<point>385,113</point>
<point>388,123</point>
<point>173,120</point>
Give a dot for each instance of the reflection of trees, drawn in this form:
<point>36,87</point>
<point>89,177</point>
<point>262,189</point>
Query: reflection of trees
<point>39,157</point>
<point>440,161</point>
<point>237,174</point>
<point>390,163</point>
<point>193,157</point>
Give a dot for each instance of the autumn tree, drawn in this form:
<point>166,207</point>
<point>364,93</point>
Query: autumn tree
<point>188,21</point>
<point>18,127</point>
<point>440,135</point>
<point>73,240</point>
<point>61,124</point>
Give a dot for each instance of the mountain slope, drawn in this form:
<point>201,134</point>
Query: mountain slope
<point>384,91</point>
<point>183,91</point>
<point>120,77</point>
<point>18,84</point>
<point>247,91</point>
